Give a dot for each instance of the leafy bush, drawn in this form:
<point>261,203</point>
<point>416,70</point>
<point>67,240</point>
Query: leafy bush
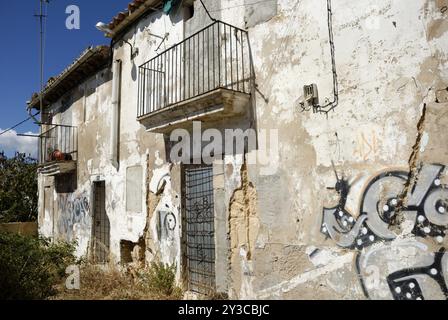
<point>30,267</point>
<point>161,278</point>
<point>18,188</point>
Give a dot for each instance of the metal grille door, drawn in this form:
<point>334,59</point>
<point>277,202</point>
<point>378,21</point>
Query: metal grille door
<point>101,225</point>
<point>200,229</point>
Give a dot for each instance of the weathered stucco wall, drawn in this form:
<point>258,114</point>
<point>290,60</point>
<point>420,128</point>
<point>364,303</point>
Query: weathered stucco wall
<point>69,215</point>
<point>391,59</point>
<point>282,233</point>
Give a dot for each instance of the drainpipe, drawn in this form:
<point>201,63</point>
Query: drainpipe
<point>115,124</point>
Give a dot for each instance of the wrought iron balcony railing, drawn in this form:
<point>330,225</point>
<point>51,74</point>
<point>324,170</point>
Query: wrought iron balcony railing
<point>216,57</point>
<point>59,143</point>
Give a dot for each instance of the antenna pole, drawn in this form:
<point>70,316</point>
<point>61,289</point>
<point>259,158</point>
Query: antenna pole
<point>41,22</point>
<point>41,17</point>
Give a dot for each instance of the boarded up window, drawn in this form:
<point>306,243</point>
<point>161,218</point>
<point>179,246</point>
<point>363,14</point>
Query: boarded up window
<point>134,189</point>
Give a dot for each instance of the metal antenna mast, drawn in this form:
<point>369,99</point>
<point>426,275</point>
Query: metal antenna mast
<point>41,17</point>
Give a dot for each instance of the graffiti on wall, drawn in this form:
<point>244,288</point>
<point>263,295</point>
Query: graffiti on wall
<point>366,145</point>
<point>384,213</point>
<point>74,211</point>
<point>166,226</point>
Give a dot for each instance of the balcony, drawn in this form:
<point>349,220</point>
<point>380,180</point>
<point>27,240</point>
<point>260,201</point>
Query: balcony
<point>206,77</point>
<point>58,150</point>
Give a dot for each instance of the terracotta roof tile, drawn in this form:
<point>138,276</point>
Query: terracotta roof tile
<point>135,8</point>
<point>89,62</point>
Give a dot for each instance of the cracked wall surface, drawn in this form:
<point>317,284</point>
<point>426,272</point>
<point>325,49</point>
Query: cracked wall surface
<point>244,225</point>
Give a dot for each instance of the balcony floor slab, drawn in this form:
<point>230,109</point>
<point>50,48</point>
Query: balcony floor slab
<point>57,167</point>
<point>214,105</point>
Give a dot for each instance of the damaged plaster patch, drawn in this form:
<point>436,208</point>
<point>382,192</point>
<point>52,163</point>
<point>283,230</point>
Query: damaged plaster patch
<point>159,178</point>
<point>243,212</point>
<point>244,226</point>
<point>442,96</point>
<point>163,225</point>
<point>424,142</point>
<point>320,257</point>
<point>159,160</point>
<point>334,264</point>
<point>247,268</point>
<point>151,250</point>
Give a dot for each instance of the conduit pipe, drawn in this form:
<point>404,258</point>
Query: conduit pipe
<point>115,123</point>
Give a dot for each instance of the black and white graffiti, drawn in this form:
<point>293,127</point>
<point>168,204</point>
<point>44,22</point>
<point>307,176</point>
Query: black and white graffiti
<point>167,225</point>
<point>403,285</point>
<point>384,212</point>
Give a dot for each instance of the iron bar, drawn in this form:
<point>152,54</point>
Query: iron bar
<point>198,65</point>
<point>200,231</point>
<point>61,138</point>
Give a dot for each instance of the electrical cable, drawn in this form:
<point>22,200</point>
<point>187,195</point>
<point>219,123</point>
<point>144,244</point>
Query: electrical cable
<point>332,104</point>
<point>208,12</point>
<point>18,125</point>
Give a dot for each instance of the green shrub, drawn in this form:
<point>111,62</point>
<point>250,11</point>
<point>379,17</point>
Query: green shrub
<point>30,267</point>
<point>18,188</point>
<point>161,278</point>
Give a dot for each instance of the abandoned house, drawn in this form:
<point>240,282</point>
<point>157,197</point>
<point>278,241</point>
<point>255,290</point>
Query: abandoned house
<point>344,193</point>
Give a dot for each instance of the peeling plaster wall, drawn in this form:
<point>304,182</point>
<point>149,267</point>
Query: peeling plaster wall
<point>285,235</point>
<point>165,221</point>
<point>391,59</point>
<point>159,223</point>
<point>89,108</point>
<point>244,228</point>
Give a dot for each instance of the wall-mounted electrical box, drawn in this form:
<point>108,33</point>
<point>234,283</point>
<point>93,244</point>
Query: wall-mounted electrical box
<point>311,94</point>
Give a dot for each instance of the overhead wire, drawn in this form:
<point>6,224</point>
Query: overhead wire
<point>329,106</point>
<point>18,124</point>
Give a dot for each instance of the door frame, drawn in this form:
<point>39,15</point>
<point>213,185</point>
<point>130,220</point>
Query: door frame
<point>93,243</point>
<point>185,262</point>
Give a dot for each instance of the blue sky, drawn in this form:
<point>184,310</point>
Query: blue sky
<point>19,55</point>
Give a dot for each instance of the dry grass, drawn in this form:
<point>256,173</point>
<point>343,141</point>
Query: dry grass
<point>99,283</point>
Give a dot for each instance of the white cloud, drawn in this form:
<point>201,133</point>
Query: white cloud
<point>11,143</point>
